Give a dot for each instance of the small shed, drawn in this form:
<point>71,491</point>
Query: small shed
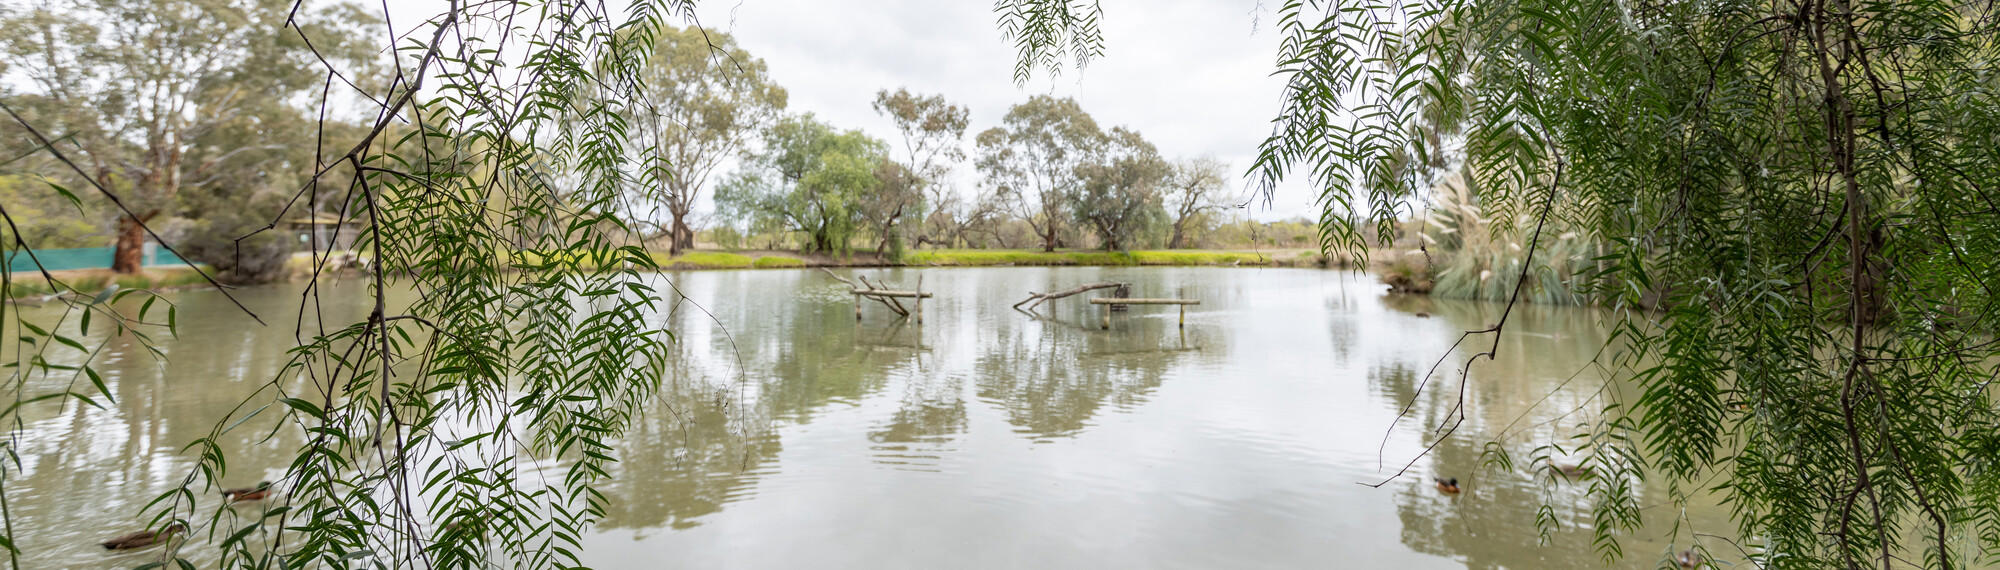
<point>325,231</point>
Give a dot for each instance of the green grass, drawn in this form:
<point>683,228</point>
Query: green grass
<point>986,257</point>
<point>1199,257</point>
<point>703,260</point>
<point>687,260</point>
<point>94,280</point>
<point>775,262</point>
<point>967,258</point>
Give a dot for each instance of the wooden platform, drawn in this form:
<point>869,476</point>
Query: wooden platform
<point>1108,302</point>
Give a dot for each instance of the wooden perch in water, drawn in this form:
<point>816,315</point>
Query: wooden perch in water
<point>1036,299</point>
<point>887,297</point>
<point>1110,302</point>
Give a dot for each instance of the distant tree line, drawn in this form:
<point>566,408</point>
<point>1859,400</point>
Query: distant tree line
<point>1049,177</point>
<point>206,137</point>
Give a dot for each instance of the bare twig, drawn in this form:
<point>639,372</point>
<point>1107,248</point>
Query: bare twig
<point>1036,299</point>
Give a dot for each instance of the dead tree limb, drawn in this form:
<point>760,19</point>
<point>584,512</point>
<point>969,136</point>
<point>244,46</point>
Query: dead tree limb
<point>891,301</point>
<point>865,289</point>
<point>1036,299</point>
<point>837,277</point>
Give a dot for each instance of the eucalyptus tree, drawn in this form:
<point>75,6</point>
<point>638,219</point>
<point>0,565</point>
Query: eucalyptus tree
<point>134,87</point>
<point>1121,186</point>
<point>1193,189</point>
<point>705,99</point>
<point>809,177</point>
<point>933,133</point>
<point>1805,185</point>
<point>1030,160</point>
<point>897,191</point>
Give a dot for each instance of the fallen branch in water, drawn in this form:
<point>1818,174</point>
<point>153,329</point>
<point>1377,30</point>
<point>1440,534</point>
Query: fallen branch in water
<point>866,289</point>
<point>1036,299</point>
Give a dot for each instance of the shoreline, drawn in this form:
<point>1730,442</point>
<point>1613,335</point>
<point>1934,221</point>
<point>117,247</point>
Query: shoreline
<point>29,287</point>
<point>771,259</point>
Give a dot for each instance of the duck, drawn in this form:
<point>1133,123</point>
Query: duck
<point>1688,558</point>
<point>1574,471</point>
<point>257,493</point>
<point>145,538</point>
<point>1448,486</point>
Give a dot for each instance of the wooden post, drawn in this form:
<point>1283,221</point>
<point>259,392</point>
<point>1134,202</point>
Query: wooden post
<point>857,307</point>
<point>1120,302</point>
<point>919,309</point>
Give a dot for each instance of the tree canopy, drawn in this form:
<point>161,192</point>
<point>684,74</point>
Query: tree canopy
<point>151,96</point>
<point>1031,159</point>
<point>810,177</point>
<point>705,98</point>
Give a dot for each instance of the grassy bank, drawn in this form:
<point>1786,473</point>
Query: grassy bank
<point>982,258</point>
<point>992,257</point>
<point>91,281</point>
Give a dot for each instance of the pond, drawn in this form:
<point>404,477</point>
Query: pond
<point>795,436</point>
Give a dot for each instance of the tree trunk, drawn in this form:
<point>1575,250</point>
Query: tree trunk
<point>679,237</point>
<point>889,233</point>
<point>126,257</point>
<point>1175,243</point>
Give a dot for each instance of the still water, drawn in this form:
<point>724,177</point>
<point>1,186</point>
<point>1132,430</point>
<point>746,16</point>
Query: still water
<point>795,437</point>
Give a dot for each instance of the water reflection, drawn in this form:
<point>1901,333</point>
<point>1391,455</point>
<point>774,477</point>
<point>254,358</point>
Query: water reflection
<point>791,435</point>
<point>86,472</point>
<point>693,454</point>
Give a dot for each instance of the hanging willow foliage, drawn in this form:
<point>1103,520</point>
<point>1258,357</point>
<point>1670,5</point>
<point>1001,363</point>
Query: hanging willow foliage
<point>1799,198</point>
<point>469,427</point>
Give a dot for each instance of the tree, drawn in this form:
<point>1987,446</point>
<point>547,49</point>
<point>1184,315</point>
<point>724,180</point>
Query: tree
<point>1192,190</point>
<point>1121,187</point>
<point>44,221</point>
<point>933,132</point>
<point>1030,161</point>
<point>810,177</point>
<point>1803,188</point>
<point>897,190</point>
<point>705,98</point>
<point>136,85</point>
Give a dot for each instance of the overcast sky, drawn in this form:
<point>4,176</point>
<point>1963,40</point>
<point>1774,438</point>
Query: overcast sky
<point>1192,75</point>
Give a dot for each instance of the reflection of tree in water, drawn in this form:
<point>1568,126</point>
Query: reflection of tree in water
<point>931,413</point>
<point>707,439</point>
<point>932,410</point>
<point>694,452</point>
<point>820,361</point>
<point>130,450</point>
<point>1051,388</point>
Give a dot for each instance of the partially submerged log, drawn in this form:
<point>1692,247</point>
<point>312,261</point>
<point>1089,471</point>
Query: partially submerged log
<point>1036,299</point>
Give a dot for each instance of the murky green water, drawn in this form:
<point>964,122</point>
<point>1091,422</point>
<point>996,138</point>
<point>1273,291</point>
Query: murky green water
<point>796,437</point>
